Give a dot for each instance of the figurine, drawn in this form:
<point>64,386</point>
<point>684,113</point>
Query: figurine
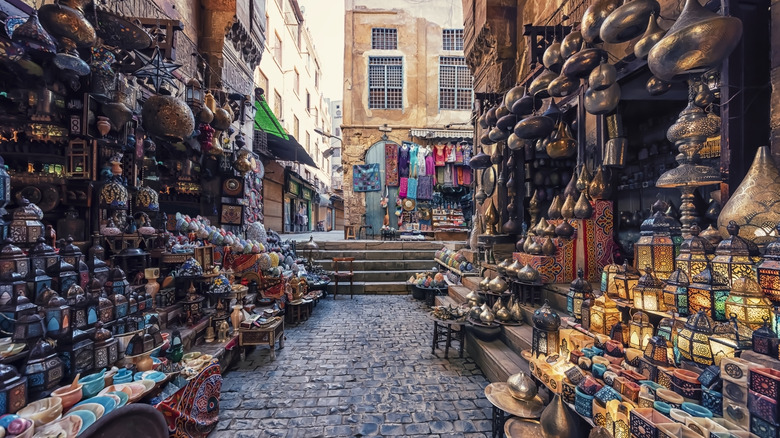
<point>210,334</point>
<point>222,331</point>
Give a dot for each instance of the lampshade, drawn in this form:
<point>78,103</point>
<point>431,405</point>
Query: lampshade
<point>693,341</point>
<point>146,199</point>
<point>620,333</point>
<point>579,291</point>
<point>707,293</point>
<point>695,251</point>
<point>640,331</point>
<point>730,338</point>
<point>113,195</point>
<point>669,328</point>
<point>769,270</point>
<point>604,314</point>
<point>735,256</point>
<point>545,338</point>
<point>625,282</point>
<point>655,247</point>
<point>659,351</point>
<point>608,283</point>
<point>676,292</point>
<point>648,292</point>
<point>748,303</point>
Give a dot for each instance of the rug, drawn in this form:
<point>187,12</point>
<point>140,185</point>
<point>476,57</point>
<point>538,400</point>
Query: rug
<point>365,178</point>
<point>391,164</point>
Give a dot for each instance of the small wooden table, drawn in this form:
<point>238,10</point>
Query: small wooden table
<point>298,312</point>
<point>442,333</point>
<point>267,335</point>
<point>505,405</point>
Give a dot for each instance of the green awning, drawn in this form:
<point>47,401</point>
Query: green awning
<point>265,119</point>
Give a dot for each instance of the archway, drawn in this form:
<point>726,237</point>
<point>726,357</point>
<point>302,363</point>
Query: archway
<point>375,213</point>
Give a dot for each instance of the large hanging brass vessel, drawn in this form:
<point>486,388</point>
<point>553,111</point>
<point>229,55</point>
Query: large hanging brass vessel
<point>538,87</point>
<point>491,219</point>
<point>594,17</point>
<point>552,56</point>
<point>513,95</point>
<point>657,87</point>
<point>628,21</point>
<point>571,44</point>
<point>583,62</point>
<point>652,35</point>
<point>602,102</point>
<point>755,205</point>
<point>533,127</point>
<point>68,25</point>
<point>583,209</point>
<point>696,42</point>
<point>563,86</point>
<point>168,117</point>
<point>567,211</point>
<point>600,188</point>
<point>602,77</point>
<point>563,145</point>
<point>558,421</point>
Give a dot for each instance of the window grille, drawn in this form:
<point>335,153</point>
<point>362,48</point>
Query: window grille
<point>383,38</point>
<point>455,84</point>
<point>385,82</point>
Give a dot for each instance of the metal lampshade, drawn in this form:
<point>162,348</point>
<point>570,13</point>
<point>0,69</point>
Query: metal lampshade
<point>604,314</point>
<point>676,292</point>
<point>625,282</point>
<point>579,291</point>
<point>735,256</point>
<point>729,339</point>
<point>707,293</point>
<point>655,247</point>
<point>640,331</point>
<point>748,303</point>
<point>648,292</point>
<point>545,337</point>
<point>693,341</point>
<point>608,283</point>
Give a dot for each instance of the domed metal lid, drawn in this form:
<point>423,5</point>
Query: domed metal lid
<point>736,245</point>
<point>649,281</point>
<point>545,318</point>
<point>579,284</point>
<point>528,274</point>
<point>101,334</point>
<point>32,36</point>
<point>765,331</point>
<point>116,274</point>
<point>712,235</point>
<point>700,322</point>
<point>773,248</point>
<point>10,251</point>
<point>678,278</point>
<point>95,286</point>
<point>40,351</point>
<point>41,248</point>
<point>27,211</point>
<point>7,372</point>
<point>709,277</point>
<point>696,244</point>
<point>60,267</point>
<point>746,287</point>
<point>70,249</point>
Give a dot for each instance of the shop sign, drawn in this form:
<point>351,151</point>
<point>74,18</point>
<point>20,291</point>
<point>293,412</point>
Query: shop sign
<point>293,187</point>
<point>306,194</point>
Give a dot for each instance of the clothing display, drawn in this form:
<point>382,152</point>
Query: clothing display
<point>440,155</point>
<point>391,164</point>
<point>403,187</point>
<point>411,191</point>
<point>365,178</point>
<point>413,160</point>
<point>403,160</point>
<point>425,187</point>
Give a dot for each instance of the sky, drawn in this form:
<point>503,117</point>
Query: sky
<point>325,20</point>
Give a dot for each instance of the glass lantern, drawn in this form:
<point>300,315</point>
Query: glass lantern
<point>748,303</point>
<point>657,353</point>
<point>26,226</point>
<point>17,305</point>
<point>43,368</point>
<point>729,339</point>
<point>620,333</point>
<point>625,282</point>
<point>113,195</point>
<point>147,199</point>
<point>77,300</point>
<point>94,289</point>
<point>648,292</point>
<point>63,275</point>
<point>769,270</point>
<point>106,349</point>
<point>106,309</point>
<point>604,314</point>
<point>676,292</point>
<point>640,331</point>
<point>693,341</point>
<point>695,252</point>
<point>43,256</point>
<point>116,283</point>
<point>13,390</point>
<point>37,281</point>
<point>193,94</point>
<point>72,253</point>
<point>13,259</point>
<point>579,291</point>
<point>608,284</point>
<point>586,306</point>
<point>28,329</point>
<point>545,337</point>
<point>707,293</point>
<point>57,317</point>
<point>735,256</point>
<point>668,328</point>
<point>655,247</point>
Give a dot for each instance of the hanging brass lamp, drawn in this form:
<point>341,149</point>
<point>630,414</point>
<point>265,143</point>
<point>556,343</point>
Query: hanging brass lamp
<point>628,21</point>
<point>538,87</point>
<point>552,56</point>
<point>583,62</point>
<point>563,145</point>
<point>594,17</point>
<point>602,102</point>
<point>602,77</point>
<point>571,44</point>
<point>652,35</point>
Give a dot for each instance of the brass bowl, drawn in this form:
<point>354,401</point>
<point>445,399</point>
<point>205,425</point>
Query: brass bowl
<point>563,86</point>
<point>534,127</point>
<point>594,17</point>
<point>652,35</point>
<point>602,102</point>
<point>539,85</point>
<point>628,21</point>
<point>582,63</point>
<point>571,44</point>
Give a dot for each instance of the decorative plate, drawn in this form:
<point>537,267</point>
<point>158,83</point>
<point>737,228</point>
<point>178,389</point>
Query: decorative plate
<point>50,199</point>
<point>232,187</point>
<point>409,204</point>
<point>733,370</point>
<point>31,193</point>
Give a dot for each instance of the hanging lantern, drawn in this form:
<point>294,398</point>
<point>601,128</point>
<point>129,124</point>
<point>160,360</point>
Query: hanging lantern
<point>603,315</point>
<point>648,292</point>
<point>26,226</point>
<point>658,353</point>
<point>117,282</point>
<point>57,317</point>
<point>106,350</point>
<point>694,253</point>
<point>544,340</point>
<point>113,195</point>
<point>147,199</point>
<point>13,259</point>
<point>765,340</point>
<point>748,303</point>
<point>193,94</point>
<point>693,341</point>
<point>640,331</point>
<point>37,281</point>
<point>42,256</point>
<point>608,283</point>
<point>676,292</point>
<point>655,247</point>
<point>769,270</point>
<point>625,282</point>
<point>63,275</point>
<point>620,333</point>
<point>17,305</point>
<point>734,257</point>
<point>729,339</point>
<point>579,291</point>
<point>707,293</point>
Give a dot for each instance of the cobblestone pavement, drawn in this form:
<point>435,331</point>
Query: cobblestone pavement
<point>360,367</point>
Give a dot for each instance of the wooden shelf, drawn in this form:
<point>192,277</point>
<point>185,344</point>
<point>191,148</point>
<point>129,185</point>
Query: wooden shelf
<point>456,271</point>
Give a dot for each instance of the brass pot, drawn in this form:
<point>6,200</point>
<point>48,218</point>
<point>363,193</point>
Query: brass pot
<point>563,145</point>
<point>564,229</point>
<point>583,180</point>
<point>571,187</point>
<point>528,274</point>
<point>527,244</point>
<point>483,285</point>
<point>514,142</point>
<point>550,230</point>
<point>602,77</point>
<point>594,17</point>
<point>497,134</point>
<point>513,95</point>
<point>501,111</point>
<point>552,57</point>
<point>534,127</point>
<point>491,117</point>
<point>652,35</point>
<point>526,105</point>
<point>501,267</point>
<point>498,285</point>
<point>540,227</point>
<point>571,44</point>
<point>548,247</point>
<point>534,248</point>
<point>583,62</point>
<point>600,187</point>
<point>507,122</point>
<point>68,25</point>
<point>521,386</point>
<point>657,87</point>
<point>516,311</point>
<point>554,212</point>
<point>503,314</point>
<point>567,211</point>
<point>697,41</point>
<point>482,120</point>
<point>167,117</point>
<point>514,268</point>
<point>539,85</point>
<point>487,317</point>
<point>558,421</point>
<point>563,86</point>
<point>583,209</point>
<point>222,119</point>
<point>602,102</point>
<point>205,115</point>
<point>628,21</point>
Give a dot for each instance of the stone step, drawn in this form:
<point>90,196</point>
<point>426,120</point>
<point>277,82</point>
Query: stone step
<point>377,254</point>
<point>385,275</point>
<point>444,300</point>
<point>382,265</point>
<point>496,360</point>
<point>371,288</point>
<point>458,293</point>
<point>363,245</point>
<point>472,283</point>
<point>517,338</point>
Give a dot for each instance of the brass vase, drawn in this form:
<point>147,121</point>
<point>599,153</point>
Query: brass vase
<point>548,247</point>
<point>571,44</point>
<point>584,178</point>
<point>755,205</point>
<point>554,212</point>
<point>491,219</point>
<point>594,17</point>
<point>567,211</point>
<point>600,187</point>
<point>563,145</point>
<point>583,209</point>
<point>521,386</point>
<point>538,87</point>
<point>487,317</point>
<point>652,35</point>
<point>628,21</point>
<point>552,56</point>
<point>571,187</point>
<point>558,421</point>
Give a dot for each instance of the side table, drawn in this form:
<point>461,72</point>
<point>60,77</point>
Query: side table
<point>442,333</point>
<point>296,313</point>
<point>504,406</point>
<point>262,336</point>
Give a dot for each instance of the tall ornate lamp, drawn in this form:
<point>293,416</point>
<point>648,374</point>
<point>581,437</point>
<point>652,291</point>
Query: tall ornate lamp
<point>735,256</point>
<point>695,252</point>
<point>676,292</point>
<point>608,283</point>
<point>748,303</point>
<point>604,314</point>
<point>648,292</point>
<point>707,293</point>
<point>693,341</point>
<point>640,331</point>
<point>579,291</point>
<point>544,340</point>
<point>655,247</point>
<point>769,270</point>
<point>312,251</point>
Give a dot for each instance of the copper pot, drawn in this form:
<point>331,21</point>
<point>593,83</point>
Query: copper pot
<point>571,44</point>
<point>583,62</point>
<point>628,21</point>
<point>594,17</point>
<point>168,117</point>
<point>602,102</point>
<point>652,35</point>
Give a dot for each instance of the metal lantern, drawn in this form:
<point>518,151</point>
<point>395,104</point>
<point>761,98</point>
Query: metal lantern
<point>43,368</point>
<point>37,281</point>
<point>26,226</point>
<point>585,312</point>
<point>13,286</point>
<point>676,292</point>
<point>608,284</point>
<point>42,256</point>
<point>655,247</point>
<point>76,353</point>
<point>735,256</point>
<point>640,330</point>
<point>545,337</point>
<point>132,260</point>
<point>620,333</point>
<point>668,328</point>
<point>769,270</point>
<point>707,293</point>
<point>57,317</point>
<point>693,341</point>
<point>106,349</point>
<point>100,270</point>
<point>63,276</point>
<point>579,291</point>
<point>625,282</point>
<point>117,282</point>
<point>72,253</point>
<point>113,195</point>
<point>695,252</point>
<point>765,340</point>
<point>13,259</point>
<point>604,314</point>
<point>77,300</point>
<point>748,303</point>
<point>121,305</point>
<point>311,249</point>
<point>193,94</point>
<point>648,292</point>
<point>28,329</point>
<point>106,312</point>
<point>147,199</point>
<point>94,289</point>
<point>13,390</point>
<point>657,353</point>
<point>729,339</point>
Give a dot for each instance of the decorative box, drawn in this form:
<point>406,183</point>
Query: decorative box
<point>706,427</point>
<point>736,413</point>
<point>632,376</point>
<point>589,386</point>
<point>604,413</point>
<point>710,376</point>
<point>606,394</point>
<point>690,393</point>
<point>763,407</point>
<point>764,429</point>
<point>712,400</point>
<point>765,381</point>
<point>630,390</point>
<point>583,403</point>
<point>575,375</point>
<point>585,363</point>
<point>736,369</point>
<point>665,377</point>
<point>575,356</point>
<point>675,430</point>
<point>614,348</point>
<point>643,422</point>
<point>735,392</point>
<point>609,378</point>
<point>567,391</point>
<point>646,397</point>
<point>598,370</point>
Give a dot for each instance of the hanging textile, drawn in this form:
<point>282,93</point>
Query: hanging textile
<point>466,176</point>
<point>440,175</point>
<point>411,191</point>
<point>403,187</point>
<point>448,175</point>
<point>439,155</point>
<point>422,165</point>
<point>403,160</point>
<point>391,164</point>
<point>413,160</point>
<point>193,411</point>
<point>425,187</point>
<point>365,178</point>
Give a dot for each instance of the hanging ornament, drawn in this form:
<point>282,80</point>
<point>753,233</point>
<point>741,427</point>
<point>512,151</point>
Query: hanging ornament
<point>156,70</point>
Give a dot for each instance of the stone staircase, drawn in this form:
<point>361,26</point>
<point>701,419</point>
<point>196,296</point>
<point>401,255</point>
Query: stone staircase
<point>380,267</point>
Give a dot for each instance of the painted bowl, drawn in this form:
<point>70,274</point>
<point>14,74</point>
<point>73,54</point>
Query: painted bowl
<point>95,408</point>
<point>117,388</point>
<point>108,403</point>
<point>8,350</point>
<point>12,421</point>
<point>67,427</point>
<point>69,395</point>
<point>137,390</point>
<point>155,376</point>
<point>92,384</point>
<point>42,411</point>
<point>114,397</point>
<point>87,418</point>
<point>122,396</point>
<point>148,385</point>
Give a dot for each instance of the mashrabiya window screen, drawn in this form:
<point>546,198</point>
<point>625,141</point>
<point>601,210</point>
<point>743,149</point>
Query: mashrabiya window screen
<point>385,82</point>
<point>452,39</point>
<point>455,83</point>
<point>383,38</point>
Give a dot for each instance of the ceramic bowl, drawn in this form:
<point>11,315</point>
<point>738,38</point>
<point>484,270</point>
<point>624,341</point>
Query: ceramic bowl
<point>662,407</point>
<point>155,376</point>
<point>108,378</point>
<point>42,411</point>
<point>108,403</point>
<point>696,410</point>
<point>87,418</point>
<point>117,388</point>
<point>191,355</point>
<point>670,397</point>
<point>92,384</point>
<point>69,395</point>
<point>122,396</point>
<point>148,385</point>
<point>8,350</point>
<point>114,397</point>
<point>67,427</point>
<point>137,390</point>
<point>95,408</point>
<point>123,378</point>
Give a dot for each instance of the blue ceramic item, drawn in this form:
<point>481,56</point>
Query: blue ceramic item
<point>108,403</point>
<point>87,418</point>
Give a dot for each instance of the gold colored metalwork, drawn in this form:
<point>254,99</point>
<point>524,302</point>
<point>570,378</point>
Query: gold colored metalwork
<point>491,219</point>
<point>602,102</point>
<point>567,211</point>
<point>748,303</point>
<point>602,77</point>
<point>563,86</point>
<point>583,180</point>
<point>554,212</point>
<point>514,268</point>
<point>68,25</point>
<point>652,35</point>
<point>557,420</point>
<point>583,62</point>
<point>533,207</point>
<point>571,44</point>
<point>548,247</point>
<point>615,152</point>
<point>498,285</point>
<point>539,85</point>
<point>657,87</point>
<point>628,21</point>
<point>513,95</point>
<point>168,117</point>
<point>583,209</point>
<point>600,187</point>
<point>563,145</point>
<point>552,56</point>
<point>564,229</point>
<point>528,274</point>
<point>594,17</point>
<point>521,386</point>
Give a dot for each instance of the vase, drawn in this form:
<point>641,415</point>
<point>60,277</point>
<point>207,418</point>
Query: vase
<point>521,386</point>
<point>103,125</point>
<point>144,363</point>
<point>558,421</point>
<point>236,317</point>
<point>567,211</point>
<point>583,209</point>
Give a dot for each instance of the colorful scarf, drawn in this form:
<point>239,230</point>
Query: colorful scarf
<point>425,187</point>
<point>411,191</point>
<point>403,187</point>
<point>391,164</point>
<point>365,178</point>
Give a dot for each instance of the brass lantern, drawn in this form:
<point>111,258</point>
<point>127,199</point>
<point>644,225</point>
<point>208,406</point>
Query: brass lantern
<point>17,305</point>
<point>13,259</point>
<point>113,195</point>
<point>26,226</point>
<point>147,199</point>
<point>729,339</point>
<point>734,257</point>
<point>608,283</point>
<point>707,293</point>
<point>579,291</point>
<point>648,292</point>
<point>769,270</point>
<point>668,328</point>
<point>640,331</point>
<point>694,253</point>
<point>545,337</point>
<point>657,353</point>
<point>676,292</point>
<point>655,247</point>
<point>604,314</point>
<point>193,94</point>
<point>693,341</point>
<point>311,250</point>
<point>625,282</point>
<point>748,303</point>
<point>619,333</point>
<point>765,340</point>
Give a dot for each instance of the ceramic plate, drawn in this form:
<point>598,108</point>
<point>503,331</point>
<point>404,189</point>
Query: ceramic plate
<point>123,397</point>
<point>87,418</point>
<point>154,376</point>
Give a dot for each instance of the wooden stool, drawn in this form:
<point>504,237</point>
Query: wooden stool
<point>343,275</point>
<point>349,232</point>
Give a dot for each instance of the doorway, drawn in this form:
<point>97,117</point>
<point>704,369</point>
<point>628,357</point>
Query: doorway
<point>375,213</point>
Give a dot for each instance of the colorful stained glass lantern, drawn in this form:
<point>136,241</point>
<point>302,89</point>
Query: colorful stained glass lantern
<point>640,331</point>
<point>43,368</point>
<point>729,339</point>
<point>668,328</point>
<point>620,333</point>
<point>121,306</point>
<point>106,309</point>
<point>735,256</point>
<point>147,199</point>
<point>579,291</point>
<point>625,282</point>
<point>57,317</point>
<point>608,284</point>
<point>116,283</point>
<point>695,252</point>
<point>63,276</point>
<point>748,303</point>
<point>693,341</point>
<point>37,281</point>
<point>765,340</point>
<point>13,259</point>
<point>26,226</point>
<point>604,314</point>
<point>13,390</point>
<point>676,292</point>
<point>648,292</point>
<point>707,293</point>
<point>94,289</point>
<point>42,256</point>
<point>77,300</point>
<point>106,350</point>
<point>769,270</point>
<point>655,247</point>
<point>545,337</point>
<point>13,287</point>
<point>113,195</point>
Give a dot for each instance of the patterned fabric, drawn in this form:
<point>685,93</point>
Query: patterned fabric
<point>413,150</point>
<point>403,160</point>
<point>440,154</point>
<point>466,176</point>
<point>391,164</point>
<point>425,187</point>
<point>411,191</point>
<point>403,187</point>
<point>450,153</point>
<point>365,178</point>
<point>422,165</point>
<point>430,165</point>
<point>193,411</point>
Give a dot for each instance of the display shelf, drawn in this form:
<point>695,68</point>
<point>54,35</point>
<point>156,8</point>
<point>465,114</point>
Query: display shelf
<point>455,270</point>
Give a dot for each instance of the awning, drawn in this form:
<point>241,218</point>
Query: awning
<point>289,150</point>
<point>442,133</point>
<point>266,120</point>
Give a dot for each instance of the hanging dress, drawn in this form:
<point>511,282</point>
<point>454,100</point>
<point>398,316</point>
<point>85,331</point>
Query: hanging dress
<point>440,155</point>
<point>413,160</point>
<point>403,161</point>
